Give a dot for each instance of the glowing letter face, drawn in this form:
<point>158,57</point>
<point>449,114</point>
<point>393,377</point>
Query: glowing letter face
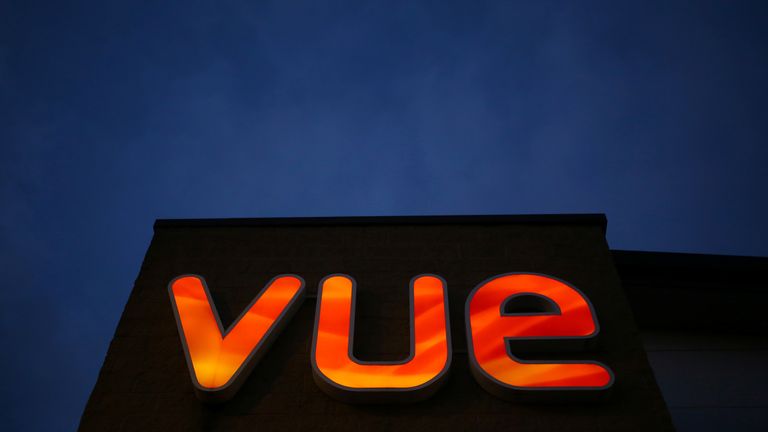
<point>341,375</point>
<point>567,318</point>
<point>219,361</point>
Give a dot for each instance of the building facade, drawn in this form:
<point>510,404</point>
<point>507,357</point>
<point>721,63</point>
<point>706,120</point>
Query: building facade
<point>148,380</point>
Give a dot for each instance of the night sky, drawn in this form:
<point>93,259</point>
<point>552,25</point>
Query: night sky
<point>113,114</point>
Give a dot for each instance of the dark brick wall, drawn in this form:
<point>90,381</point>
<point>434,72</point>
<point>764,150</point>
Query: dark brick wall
<point>144,383</point>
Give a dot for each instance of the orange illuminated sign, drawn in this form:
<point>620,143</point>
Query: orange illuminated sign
<point>562,314</point>
<point>506,316</point>
<point>340,374</point>
<point>219,360</point>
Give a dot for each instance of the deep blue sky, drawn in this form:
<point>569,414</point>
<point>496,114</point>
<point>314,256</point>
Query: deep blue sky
<point>113,114</point>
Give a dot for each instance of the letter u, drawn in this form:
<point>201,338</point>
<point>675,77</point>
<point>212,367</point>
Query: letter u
<point>341,375</point>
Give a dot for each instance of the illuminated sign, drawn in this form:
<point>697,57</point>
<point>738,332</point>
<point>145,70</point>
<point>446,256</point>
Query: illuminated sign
<point>340,374</point>
<point>507,314</point>
<point>494,327</point>
<point>220,360</point>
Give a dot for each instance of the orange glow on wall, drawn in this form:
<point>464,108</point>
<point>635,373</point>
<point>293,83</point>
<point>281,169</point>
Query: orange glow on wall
<point>342,375</point>
<point>490,329</point>
<point>220,360</point>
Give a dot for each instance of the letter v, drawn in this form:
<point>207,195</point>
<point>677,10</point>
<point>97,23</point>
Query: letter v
<point>219,361</point>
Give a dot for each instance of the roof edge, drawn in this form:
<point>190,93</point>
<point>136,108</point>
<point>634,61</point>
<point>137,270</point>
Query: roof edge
<point>658,258</point>
<point>598,219</point>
